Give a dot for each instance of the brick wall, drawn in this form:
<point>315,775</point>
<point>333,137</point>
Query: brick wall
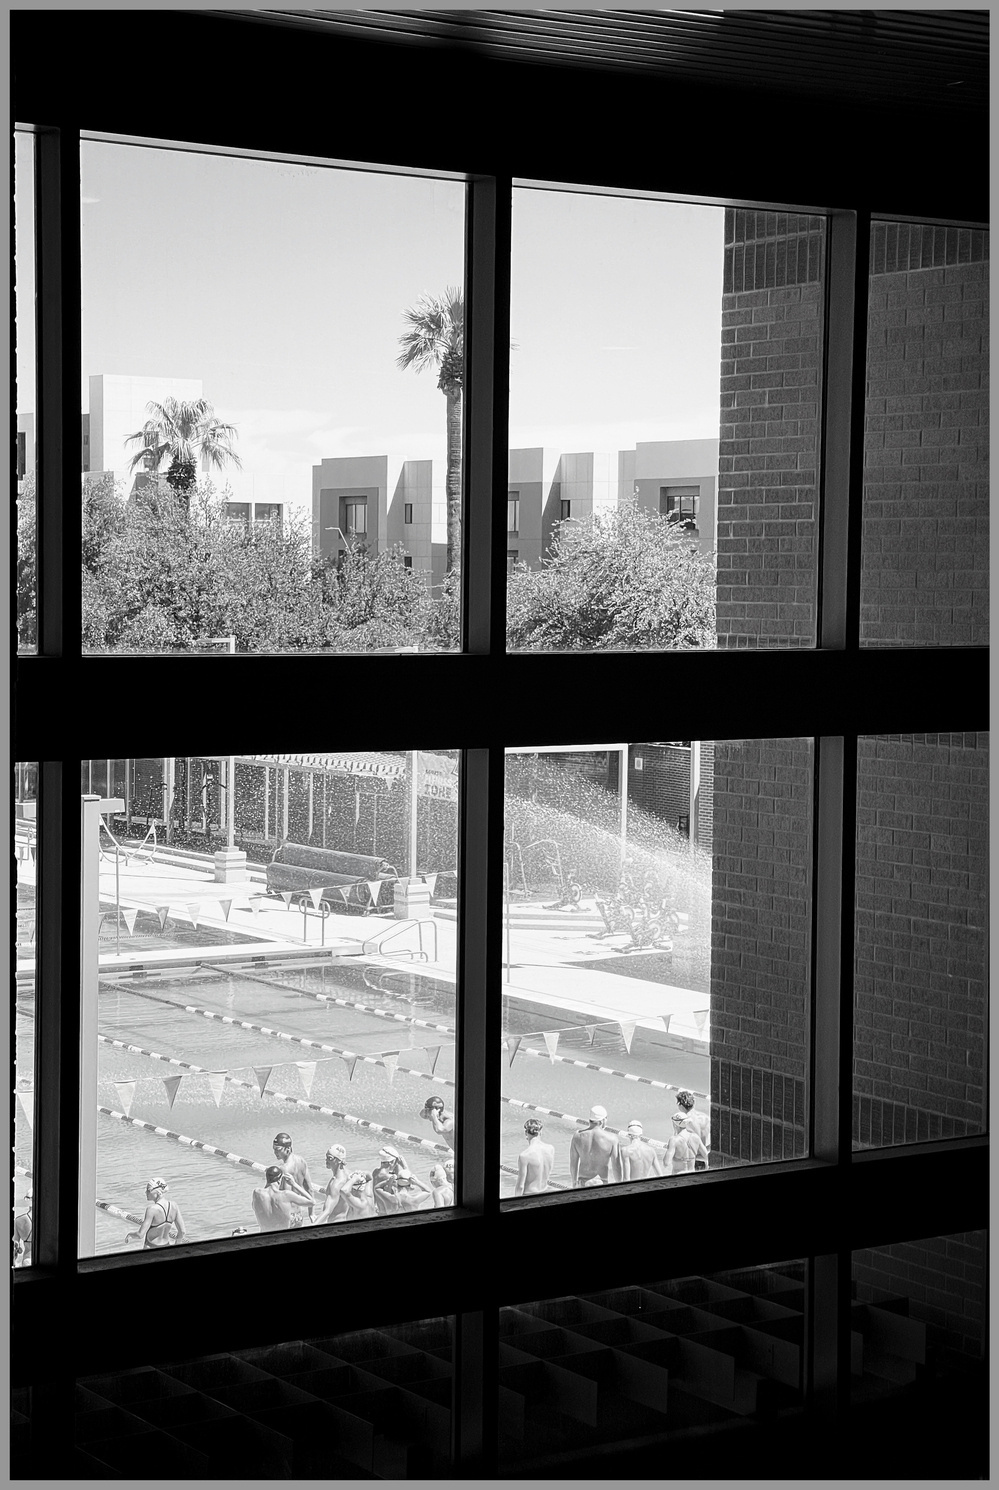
<point>760,948</point>
<point>768,451</point>
<point>925,535</point>
<point>944,1280</point>
<point>922,909</point>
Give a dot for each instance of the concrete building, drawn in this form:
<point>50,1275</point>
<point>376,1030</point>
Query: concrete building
<point>25,448</point>
<point>368,499</point>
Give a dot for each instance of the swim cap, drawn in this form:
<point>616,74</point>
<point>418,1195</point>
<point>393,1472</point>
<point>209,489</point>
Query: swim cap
<point>389,1153</point>
<point>157,1184</point>
<point>449,1168</point>
<point>635,1127</point>
<point>532,1127</point>
<point>685,1099</point>
<point>284,1139</point>
<point>337,1150</point>
<point>272,1173</point>
<point>598,1112</point>
<point>437,1173</point>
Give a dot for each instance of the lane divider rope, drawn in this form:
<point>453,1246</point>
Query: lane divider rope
<point>666,1086</point>
<point>328,998</point>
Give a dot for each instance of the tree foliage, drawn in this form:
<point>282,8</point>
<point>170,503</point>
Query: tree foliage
<point>176,435</point>
<point>619,579</point>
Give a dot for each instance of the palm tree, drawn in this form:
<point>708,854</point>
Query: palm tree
<point>435,339</point>
<point>181,431</point>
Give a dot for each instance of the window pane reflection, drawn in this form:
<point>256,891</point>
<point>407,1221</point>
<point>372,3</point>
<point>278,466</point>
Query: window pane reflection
<point>25,436</point>
<point>656,960</point>
<point>25,945</point>
<point>269,993</point>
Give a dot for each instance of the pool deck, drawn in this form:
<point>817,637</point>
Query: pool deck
<point>548,954</point>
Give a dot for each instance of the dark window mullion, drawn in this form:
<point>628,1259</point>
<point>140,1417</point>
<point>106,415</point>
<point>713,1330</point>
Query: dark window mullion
<point>57,208</point>
<point>843,417</point>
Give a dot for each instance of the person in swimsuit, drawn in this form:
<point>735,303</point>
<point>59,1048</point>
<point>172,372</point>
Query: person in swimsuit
<point>534,1164</point>
<point>23,1227</point>
<point>335,1207</point>
<point>162,1217</point>
<point>275,1202</point>
<point>698,1122</point>
<point>636,1157</point>
<point>593,1153</point>
<point>443,1188</point>
<point>413,1193</point>
<point>358,1195</point>
<point>439,1118</point>
<point>297,1170</point>
<point>683,1147</point>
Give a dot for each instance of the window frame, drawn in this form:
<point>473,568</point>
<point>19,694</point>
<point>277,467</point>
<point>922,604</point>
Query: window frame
<point>828,1204</point>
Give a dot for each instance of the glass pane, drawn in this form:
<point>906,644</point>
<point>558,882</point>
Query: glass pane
<point>242,359</point>
<point>922,938</point>
<point>24,310</point>
<point>664,386</point>
<point>26,926</point>
<point>656,933</point>
<point>924,578</point>
<point>371,1404</point>
<point>646,1363</point>
<point>918,1334</point>
<point>269,994</point>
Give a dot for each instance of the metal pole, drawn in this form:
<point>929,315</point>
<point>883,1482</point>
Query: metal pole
<point>413,801</point>
<point>624,801</point>
<point>267,801</point>
<point>506,893</point>
<point>312,777</point>
<point>117,902</point>
<point>171,787</point>
<point>284,819</point>
<point>695,787</point>
<point>230,806</point>
<point>90,911</point>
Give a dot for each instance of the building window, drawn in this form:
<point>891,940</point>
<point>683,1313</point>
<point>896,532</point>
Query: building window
<point>407,562</point>
<point>679,503</point>
<point>513,513</point>
<point>407,512</point>
<point>564,510</point>
<point>21,466</point>
<point>512,555</point>
<point>355,512</point>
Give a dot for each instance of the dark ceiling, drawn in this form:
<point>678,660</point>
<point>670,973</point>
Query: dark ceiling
<point>926,57</point>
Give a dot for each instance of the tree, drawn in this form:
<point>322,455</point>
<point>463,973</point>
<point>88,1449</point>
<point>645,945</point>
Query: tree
<point>435,340</point>
<point>182,431</point>
<point>621,578</point>
<point>27,567</point>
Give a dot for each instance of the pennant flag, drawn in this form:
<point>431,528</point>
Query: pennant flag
<point>551,1040</point>
<point>343,891</point>
<point>27,1101</point>
<point>430,880</point>
<point>194,911</point>
<point>286,896</point>
<point>216,1080</point>
<point>162,911</point>
<point>375,889</point>
<point>434,1052</point>
<point>514,1046</point>
<point>316,896</point>
<point>129,918</point>
<point>701,1019</point>
<point>591,1032</point>
<point>307,1071</point>
<point>666,1019</point>
<point>351,1061</point>
<point>126,1092</point>
<point>32,850</point>
<point>172,1083</point>
<point>391,1061</point>
<point>263,1075</point>
<point>255,905</point>
<point>225,906</point>
<point>628,1032</point>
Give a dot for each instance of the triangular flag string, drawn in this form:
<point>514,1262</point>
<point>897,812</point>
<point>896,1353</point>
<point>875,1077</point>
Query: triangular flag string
<point>126,1094</point>
<point>591,1032</point>
<point>375,889</point>
<point>255,905</point>
<point>515,1042</point>
<point>316,896</point>
<point>666,1019</point>
<point>27,1101</point>
<point>351,1062</point>
<point>172,1083</point>
<point>162,911</point>
<point>129,918</point>
<point>217,1080</point>
<point>286,896</point>
<point>194,911</point>
<point>307,1071</point>
<point>628,1032</point>
<point>226,907</point>
<point>551,1040</point>
<point>263,1075</point>
<point>701,1019</point>
<point>434,1052</point>
<point>391,1060</point>
<point>430,880</point>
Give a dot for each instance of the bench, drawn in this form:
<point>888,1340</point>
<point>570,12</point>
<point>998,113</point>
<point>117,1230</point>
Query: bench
<point>342,878</point>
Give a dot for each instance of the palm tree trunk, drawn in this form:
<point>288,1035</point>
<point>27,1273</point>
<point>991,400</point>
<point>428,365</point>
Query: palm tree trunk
<point>453,478</point>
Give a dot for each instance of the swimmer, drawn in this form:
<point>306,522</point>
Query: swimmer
<point>442,1187</point>
<point>240,1231</point>
<point>440,1119</point>
<point>385,1181</point>
<point>449,1171</point>
<point>275,1201</point>
<point>699,1122</point>
<point>295,1168</point>
<point>23,1227</point>
<point>683,1147</point>
<point>335,1208</point>
<point>358,1195</point>
<point>534,1164</point>
<point>413,1193</point>
<point>160,1219</point>
<point>636,1157</point>
<point>593,1152</point>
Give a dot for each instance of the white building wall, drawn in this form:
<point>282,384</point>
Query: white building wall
<point>118,409</point>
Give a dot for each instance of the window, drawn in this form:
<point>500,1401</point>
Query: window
<point>788,667</point>
<point>407,512</point>
<point>564,510</point>
<point>407,561</point>
<point>678,503</point>
<point>513,514</point>
<point>512,557</point>
<point>355,514</point>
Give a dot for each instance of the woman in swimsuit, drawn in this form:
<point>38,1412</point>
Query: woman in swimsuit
<point>161,1217</point>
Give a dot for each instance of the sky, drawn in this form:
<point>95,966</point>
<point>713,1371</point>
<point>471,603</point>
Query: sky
<point>282,287</point>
